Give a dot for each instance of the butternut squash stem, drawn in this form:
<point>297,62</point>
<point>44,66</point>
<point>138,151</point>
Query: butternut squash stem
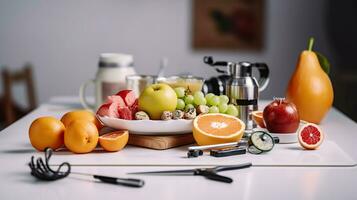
<point>311,44</point>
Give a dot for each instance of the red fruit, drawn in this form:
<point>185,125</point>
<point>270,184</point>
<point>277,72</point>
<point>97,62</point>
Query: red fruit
<point>125,113</point>
<point>116,99</point>
<point>109,109</point>
<point>281,116</point>
<point>103,109</point>
<point>310,136</point>
<point>128,96</point>
<point>135,107</point>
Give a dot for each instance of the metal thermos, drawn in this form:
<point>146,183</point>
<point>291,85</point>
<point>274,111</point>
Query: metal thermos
<point>241,87</point>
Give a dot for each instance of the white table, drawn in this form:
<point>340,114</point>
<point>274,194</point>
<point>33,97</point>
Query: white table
<point>253,183</point>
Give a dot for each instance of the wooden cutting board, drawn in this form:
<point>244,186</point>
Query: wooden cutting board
<point>161,142</point>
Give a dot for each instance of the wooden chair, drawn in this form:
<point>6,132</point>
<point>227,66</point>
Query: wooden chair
<point>12,111</point>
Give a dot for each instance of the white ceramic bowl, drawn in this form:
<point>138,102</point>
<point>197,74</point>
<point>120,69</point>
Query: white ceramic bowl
<point>149,127</point>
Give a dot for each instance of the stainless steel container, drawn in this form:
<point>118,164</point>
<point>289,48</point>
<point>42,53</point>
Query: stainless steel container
<point>242,88</point>
<point>138,83</point>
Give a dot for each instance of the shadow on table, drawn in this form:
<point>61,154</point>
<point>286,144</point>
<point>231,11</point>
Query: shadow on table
<point>26,177</point>
<point>18,151</point>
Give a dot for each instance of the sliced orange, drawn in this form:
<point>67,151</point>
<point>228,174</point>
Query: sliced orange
<point>114,141</point>
<point>215,128</point>
<point>258,118</point>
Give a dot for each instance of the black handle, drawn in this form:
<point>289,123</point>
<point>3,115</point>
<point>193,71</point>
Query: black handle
<point>215,177</point>
<point>264,75</point>
<point>209,61</point>
<point>232,167</point>
<point>121,181</point>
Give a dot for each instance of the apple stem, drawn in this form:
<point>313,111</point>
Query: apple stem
<point>311,44</point>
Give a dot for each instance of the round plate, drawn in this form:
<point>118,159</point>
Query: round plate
<point>149,127</point>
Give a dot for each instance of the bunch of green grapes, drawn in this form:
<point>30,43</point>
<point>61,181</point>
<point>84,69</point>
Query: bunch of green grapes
<point>219,104</point>
<point>216,104</point>
<point>185,100</point>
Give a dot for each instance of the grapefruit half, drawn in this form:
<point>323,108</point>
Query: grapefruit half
<point>310,136</point>
<point>114,141</point>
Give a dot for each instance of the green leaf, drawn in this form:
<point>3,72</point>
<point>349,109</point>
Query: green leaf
<point>325,64</point>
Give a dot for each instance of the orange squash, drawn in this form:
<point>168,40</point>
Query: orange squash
<point>310,88</point>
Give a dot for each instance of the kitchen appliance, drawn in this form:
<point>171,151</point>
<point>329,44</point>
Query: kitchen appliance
<point>110,78</point>
<point>239,85</point>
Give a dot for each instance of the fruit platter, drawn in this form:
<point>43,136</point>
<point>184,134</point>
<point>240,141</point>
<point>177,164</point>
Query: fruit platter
<point>172,113</point>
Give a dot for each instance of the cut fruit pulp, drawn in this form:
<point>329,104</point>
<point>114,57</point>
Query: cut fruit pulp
<point>310,136</point>
<point>215,128</point>
<point>114,141</point>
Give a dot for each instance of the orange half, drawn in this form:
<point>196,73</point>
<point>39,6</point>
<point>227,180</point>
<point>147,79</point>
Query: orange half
<point>114,141</point>
<point>215,128</point>
<point>258,118</point>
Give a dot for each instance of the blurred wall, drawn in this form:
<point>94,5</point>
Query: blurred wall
<point>64,38</point>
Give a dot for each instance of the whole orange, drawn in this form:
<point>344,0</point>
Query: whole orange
<point>81,136</point>
<point>80,115</point>
<point>46,132</point>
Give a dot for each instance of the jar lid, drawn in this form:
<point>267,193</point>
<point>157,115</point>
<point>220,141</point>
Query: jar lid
<point>116,60</point>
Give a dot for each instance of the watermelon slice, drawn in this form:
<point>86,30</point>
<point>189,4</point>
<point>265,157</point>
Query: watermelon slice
<point>125,113</point>
<point>128,96</point>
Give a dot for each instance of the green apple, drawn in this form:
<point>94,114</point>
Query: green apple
<point>156,99</point>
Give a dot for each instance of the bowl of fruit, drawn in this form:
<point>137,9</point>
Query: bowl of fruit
<point>160,110</point>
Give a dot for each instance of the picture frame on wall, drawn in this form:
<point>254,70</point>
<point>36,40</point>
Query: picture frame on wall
<point>228,24</point>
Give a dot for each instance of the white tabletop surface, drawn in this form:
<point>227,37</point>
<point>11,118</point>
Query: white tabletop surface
<point>253,183</point>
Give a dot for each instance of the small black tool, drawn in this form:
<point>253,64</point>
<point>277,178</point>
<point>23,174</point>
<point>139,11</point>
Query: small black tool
<point>209,173</point>
<point>43,171</point>
<point>228,152</point>
<point>194,153</point>
<point>276,140</point>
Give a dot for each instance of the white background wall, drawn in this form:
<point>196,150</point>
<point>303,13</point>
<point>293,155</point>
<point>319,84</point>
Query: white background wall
<point>64,38</point>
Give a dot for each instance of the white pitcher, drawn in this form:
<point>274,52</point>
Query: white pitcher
<point>110,78</point>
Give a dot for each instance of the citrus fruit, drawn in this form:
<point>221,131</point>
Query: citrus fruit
<point>258,118</point>
<point>114,141</point>
<point>215,128</point>
<point>310,136</point>
<point>46,132</point>
<point>81,136</point>
<point>80,115</point>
